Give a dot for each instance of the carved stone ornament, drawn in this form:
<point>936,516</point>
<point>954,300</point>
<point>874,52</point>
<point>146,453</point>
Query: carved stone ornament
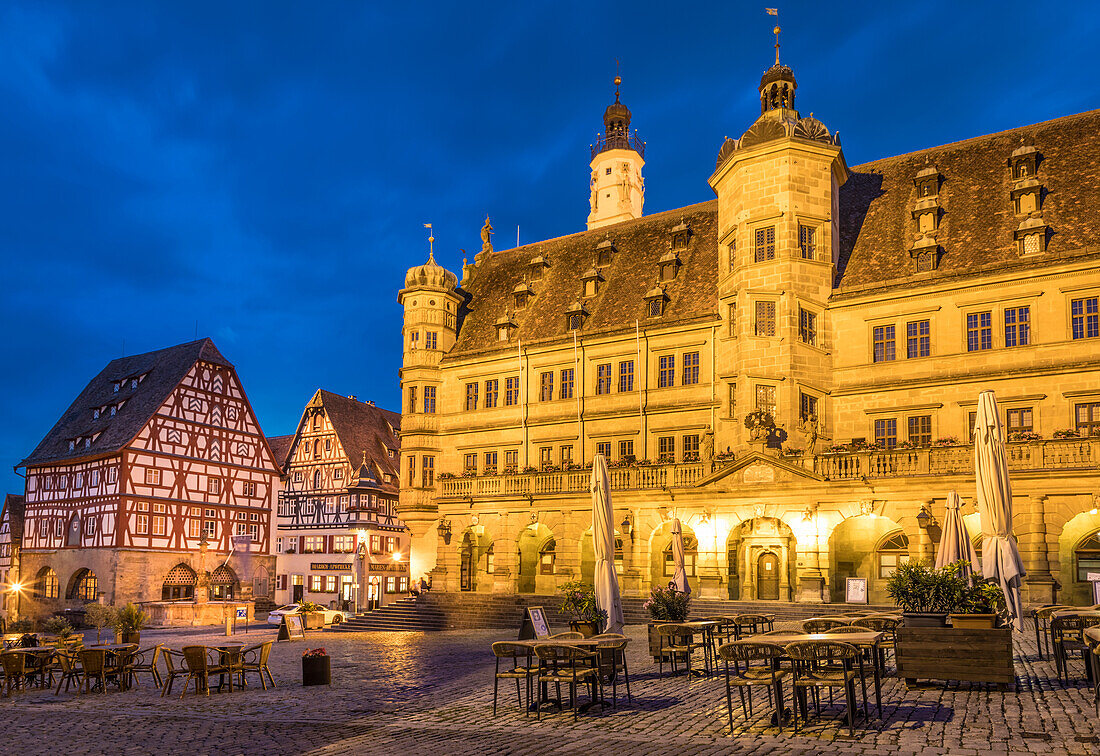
<point>867,507</point>
<point>757,510</point>
<point>811,128</point>
<point>764,130</point>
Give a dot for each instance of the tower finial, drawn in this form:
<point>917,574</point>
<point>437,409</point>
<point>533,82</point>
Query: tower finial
<point>775,31</point>
<point>431,242</point>
<point>618,80</point>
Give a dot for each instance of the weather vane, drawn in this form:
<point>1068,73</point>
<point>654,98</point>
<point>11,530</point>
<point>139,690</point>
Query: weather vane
<point>431,240</point>
<point>775,12</point>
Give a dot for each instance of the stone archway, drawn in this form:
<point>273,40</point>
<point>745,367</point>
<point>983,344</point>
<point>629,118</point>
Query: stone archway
<point>1076,546</point>
<point>747,545</point>
<point>536,549</point>
<point>856,549</point>
<point>476,558</point>
<point>661,568</point>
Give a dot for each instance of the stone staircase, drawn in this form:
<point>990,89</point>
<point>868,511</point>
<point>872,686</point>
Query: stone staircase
<point>465,611</point>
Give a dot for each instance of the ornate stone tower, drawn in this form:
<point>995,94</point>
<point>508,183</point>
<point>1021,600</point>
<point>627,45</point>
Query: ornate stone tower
<point>617,189</point>
<point>777,190</point>
<point>431,304</point>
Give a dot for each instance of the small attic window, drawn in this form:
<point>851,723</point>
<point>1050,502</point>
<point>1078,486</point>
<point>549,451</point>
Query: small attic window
<point>655,308</point>
<point>605,252</point>
<point>537,266</point>
<point>1031,236</point>
<point>591,279</point>
<point>117,386</point>
<point>133,383</point>
<point>520,294</point>
<point>1024,162</point>
<point>927,181</point>
<point>670,264</point>
<point>95,413</point>
<point>680,236</point>
<point>521,300</point>
<point>574,321</point>
<point>72,444</point>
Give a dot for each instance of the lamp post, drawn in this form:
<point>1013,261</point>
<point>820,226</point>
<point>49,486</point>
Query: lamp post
<point>361,552</point>
<point>17,589</point>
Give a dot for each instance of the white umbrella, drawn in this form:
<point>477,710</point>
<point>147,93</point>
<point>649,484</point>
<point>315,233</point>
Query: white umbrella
<point>1000,557</point>
<point>606,584</point>
<point>955,545</point>
<point>679,577</point>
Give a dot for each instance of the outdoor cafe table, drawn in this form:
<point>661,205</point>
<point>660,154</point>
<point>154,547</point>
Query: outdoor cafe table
<point>229,655</point>
<point>706,628</point>
<point>39,658</point>
<point>588,644</point>
<point>116,650</point>
<point>870,640</point>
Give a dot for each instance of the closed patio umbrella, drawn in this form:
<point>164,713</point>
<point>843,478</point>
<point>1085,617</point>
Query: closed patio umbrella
<point>1000,557</point>
<point>606,583</point>
<point>679,577</point>
<point>955,545</point>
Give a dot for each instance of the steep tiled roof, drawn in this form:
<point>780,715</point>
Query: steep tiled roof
<point>13,512</point>
<point>160,373</point>
<point>363,427</point>
<point>977,224</point>
<point>280,447</point>
<point>639,245</point>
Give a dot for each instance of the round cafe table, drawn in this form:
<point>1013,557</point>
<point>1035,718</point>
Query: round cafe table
<point>230,655</point>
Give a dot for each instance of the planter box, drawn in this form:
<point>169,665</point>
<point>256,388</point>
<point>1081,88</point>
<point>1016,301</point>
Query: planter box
<point>973,621</point>
<point>924,619</point>
<point>316,670</point>
<point>313,620</point>
<point>955,654</point>
<point>587,629</point>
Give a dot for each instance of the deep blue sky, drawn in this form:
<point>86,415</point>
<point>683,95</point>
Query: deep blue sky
<point>264,169</point>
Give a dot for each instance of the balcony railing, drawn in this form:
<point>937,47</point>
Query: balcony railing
<point>1057,454</point>
<point>619,142</point>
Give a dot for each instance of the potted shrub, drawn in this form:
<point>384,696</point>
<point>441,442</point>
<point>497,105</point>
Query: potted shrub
<point>312,616</point>
<point>316,667</point>
<point>129,621</point>
<point>979,606</point>
<point>579,603</point>
<point>99,616</point>
<point>60,627</point>
<point>665,605</point>
<point>923,594</point>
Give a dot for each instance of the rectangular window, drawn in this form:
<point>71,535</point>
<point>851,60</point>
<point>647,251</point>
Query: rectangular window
<point>469,463</point>
<point>666,373</point>
<point>920,430</point>
<point>1087,418</point>
<point>490,463</point>
<point>391,584</point>
<point>142,524</point>
<point>883,338</point>
<point>731,318</point>
<point>545,456</point>
<point>412,400</point>
<point>807,327</point>
<point>471,396</point>
<point>313,545</point>
<point>565,454</point>
<point>1085,317</point>
<point>979,331</point>
<point>511,460</point>
<point>808,242</point>
<point>1017,326</point>
<point>626,449</point>
<point>376,543</point>
<point>316,583</point>
<point>427,471</point>
<point>330,584</point>
<point>807,407</point>
<point>343,544</point>
<point>492,390</point>
<point>194,528</point>
<point>546,386</point>
<point>733,399</point>
<point>414,339</point>
<point>691,368</point>
<point>886,433</point>
<point>412,470</point>
<point>666,448</point>
<point>690,448</point>
<point>918,339</point>
<point>626,375</point>
<point>764,247</point>
<point>152,477</point>
<point>566,391</point>
<point>159,525</point>
<point>429,400</point>
<point>971,419</point>
<point>248,488</point>
<point>765,318</point>
<point>765,398</point>
<point>603,378</point>
<point>213,486</point>
<point>604,448</point>
<point>431,340</point>
<point>1019,420</point>
<point>511,392</point>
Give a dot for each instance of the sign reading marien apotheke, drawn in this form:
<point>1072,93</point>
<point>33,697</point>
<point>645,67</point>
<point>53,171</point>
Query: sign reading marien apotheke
<point>335,566</point>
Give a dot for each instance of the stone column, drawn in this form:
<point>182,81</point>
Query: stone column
<point>1031,529</point>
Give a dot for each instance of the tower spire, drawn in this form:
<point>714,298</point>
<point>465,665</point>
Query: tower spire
<point>775,31</point>
<point>431,242</point>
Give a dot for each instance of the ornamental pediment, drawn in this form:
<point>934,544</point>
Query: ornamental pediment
<point>755,469</point>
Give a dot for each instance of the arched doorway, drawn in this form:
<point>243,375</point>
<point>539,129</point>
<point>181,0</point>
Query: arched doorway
<point>224,585</point>
<point>476,558</point>
<point>1078,558</point>
<point>46,585</point>
<point>747,547</point>
<point>767,576</point>
<point>84,586</point>
<point>869,547</point>
<point>537,559</point>
<point>179,584</point>
<point>662,565</point>
<point>261,583</point>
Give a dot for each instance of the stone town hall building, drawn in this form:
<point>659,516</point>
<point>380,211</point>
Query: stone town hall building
<point>863,307</point>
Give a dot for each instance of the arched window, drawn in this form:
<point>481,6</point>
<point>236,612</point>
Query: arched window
<point>46,585</point>
<point>1087,555</point>
<point>892,551</point>
<point>316,478</point>
<point>223,584</point>
<point>85,586</point>
<point>691,551</point>
<point>179,584</point>
<point>547,557</point>
<point>489,557</point>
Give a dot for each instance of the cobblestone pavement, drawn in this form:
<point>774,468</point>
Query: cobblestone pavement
<point>431,693</point>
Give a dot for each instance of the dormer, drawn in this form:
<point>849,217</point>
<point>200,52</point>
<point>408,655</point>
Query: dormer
<point>1024,162</point>
<point>669,264</point>
<point>605,252</point>
<point>926,209</point>
<point>680,236</point>
<point>655,300</point>
<point>537,266</point>
<point>1031,236</point>
<point>591,279</point>
<point>506,327</point>
<point>1026,195</point>
<point>575,316</point>
<point>925,253</point>
<point>520,294</point>
<point>927,182</point>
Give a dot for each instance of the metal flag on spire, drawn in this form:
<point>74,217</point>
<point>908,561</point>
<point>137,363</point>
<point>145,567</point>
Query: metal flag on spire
<point>775,12</point>
<point>431,240</point>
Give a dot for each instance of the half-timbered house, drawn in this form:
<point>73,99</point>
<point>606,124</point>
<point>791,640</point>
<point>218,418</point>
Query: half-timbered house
<point>11,534</point>
<point>338,538</point>
<point>137,491</point>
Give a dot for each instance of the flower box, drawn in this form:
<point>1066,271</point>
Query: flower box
<point>926,653</point>
<point>316,670</point>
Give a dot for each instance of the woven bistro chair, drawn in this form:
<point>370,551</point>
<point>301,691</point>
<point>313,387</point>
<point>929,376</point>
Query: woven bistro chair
<point>765,673</point>
<point>1040,617</point>
<point>565,664</point>
<point>200,667</point>
<point>612,661</point>
<point>824,664</point>
<point>69,671</point>
<point>146,660</point>
<point>1066,639</point>
<point>93,662</point>
<point>1094,661</point>
<point>679,641</point>
<point>841,629</point>
<point>175,666</point>
<point>568,635</point>
<point>752,624</point>
<point>14,664</point>
<point>821,624</point>
<point>881,623</point>
<point>726,628</point>
<point>521,669</point>
<point>254,659</point>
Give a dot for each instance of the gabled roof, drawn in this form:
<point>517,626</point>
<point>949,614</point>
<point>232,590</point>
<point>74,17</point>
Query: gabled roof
<point>13,513</point>
<point>280,447</point>
<point>160,372</point>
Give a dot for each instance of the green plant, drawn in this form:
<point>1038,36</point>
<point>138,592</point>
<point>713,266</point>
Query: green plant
<point>982,597</point>
<point>58,626</point>
<point>309,606</point>
<point>99,616</point>
<point>668,604</point>
<point>916,587</point>
<point>24,625</point>
<point>130,619</point>
<point>311,653</point>
<point>579,602</point>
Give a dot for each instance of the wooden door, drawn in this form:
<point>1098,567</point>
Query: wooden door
<point>767,577</point>
<point>466,573</point>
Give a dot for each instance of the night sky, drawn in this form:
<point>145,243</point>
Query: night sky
<point>260,172</point>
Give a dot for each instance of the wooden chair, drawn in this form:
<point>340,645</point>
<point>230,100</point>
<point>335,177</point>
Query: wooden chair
<point>93,662</point>
<point>254,659</point>
<point>69,671</point>
<point>565,664</point>
<point>175,666</point>
<point>824,664</point>
<point>765,674</point>
<point>145,660</point>
<point>200,667</point>
<point>612,649</point>
<point>14,664</point>
<point>821,624</point>
<point>522,669</point>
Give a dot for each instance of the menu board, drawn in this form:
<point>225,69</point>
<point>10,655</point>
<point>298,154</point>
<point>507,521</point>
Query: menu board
<point>291,627</point>
<point>535,625</point>
<point>855,590</point>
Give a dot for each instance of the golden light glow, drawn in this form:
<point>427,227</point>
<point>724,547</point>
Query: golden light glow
<point>397,556</point>
<point>17,587</point>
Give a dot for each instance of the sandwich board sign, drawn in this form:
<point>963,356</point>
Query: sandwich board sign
<point>535,626</point>
<point>291,627</point>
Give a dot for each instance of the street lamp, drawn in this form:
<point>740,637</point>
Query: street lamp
<point>17,589</point>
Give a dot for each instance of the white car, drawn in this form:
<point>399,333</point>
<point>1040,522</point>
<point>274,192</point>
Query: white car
<point>332,616</point>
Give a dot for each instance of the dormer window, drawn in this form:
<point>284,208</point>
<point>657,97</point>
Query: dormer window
<point>95,413</point>
<point>1031,236</point>
<point>1024,162</point>
<point>133,383</point>
<point>1026,196</point>
<point>605,251</point>
<point>681,235</point>
<point>87,443</point>
<point>537,266</point>
<point>575,316</point>
<point>114,409</point>
<point>927,182</point>
<point>506,327</point>
<point>592,278</point>
<point>670,264</point>
<point>72,444</point>
<point>117,386</point>
<point>520,294</point>
<point>655,300</point>
<point>925,254</point>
